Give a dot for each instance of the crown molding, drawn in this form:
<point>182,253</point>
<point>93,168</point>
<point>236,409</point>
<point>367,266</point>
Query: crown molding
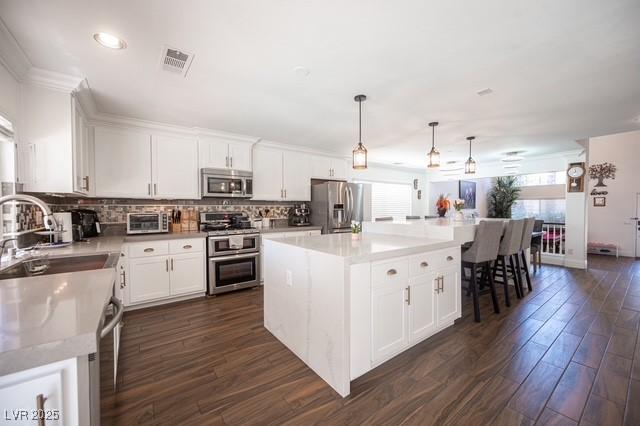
<point>52,80</point>
<point>11,54</point>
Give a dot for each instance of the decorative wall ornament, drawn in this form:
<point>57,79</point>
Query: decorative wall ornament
<point>601,172</point>
<point>599,201</point>
<point>596,192</point>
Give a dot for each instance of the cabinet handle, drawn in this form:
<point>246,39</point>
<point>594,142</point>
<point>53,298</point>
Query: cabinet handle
<point>391,272</point>
<point>123,281</point>
<point>167,262</point>
<point>40,400</point>
<point>230,161</point>
<point>226,161</point>
<point>408,295</point>
<point>155,189</point>
<point>148,250</point>
<point>149,188</point>
<point>285,193</point>
<point>172,263</point>
<point>424,264</point>
<point>441,279</point>
<point>86,182</point>
<point>187,247</point>
<point>449,258</point>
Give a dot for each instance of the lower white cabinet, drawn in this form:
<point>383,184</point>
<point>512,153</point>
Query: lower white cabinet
<point>408,309</point>
<point>163,270</point>
<point>52,388</point>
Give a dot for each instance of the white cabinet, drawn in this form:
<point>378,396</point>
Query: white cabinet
<point>328,167</point>
<point>187,273</point>
<point>53,152</point>
<point>135,164</point>
<point>281,175</point>
<point>175,167</point>
<point>149,279</point>
<point>390,327</point>
<point>161,270</point>
<point>222,153</point>
<point>122,163</point>
<point>412,299</point>
<point>56,383</point>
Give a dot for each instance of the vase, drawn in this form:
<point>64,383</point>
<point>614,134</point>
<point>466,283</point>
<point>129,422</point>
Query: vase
<point>600,182</point>
<point>459,216</point>
<point>442,212</point>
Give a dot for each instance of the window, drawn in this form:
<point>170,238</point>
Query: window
<point>390,199</point>
<point>535,179</point>
<point>551,211</point>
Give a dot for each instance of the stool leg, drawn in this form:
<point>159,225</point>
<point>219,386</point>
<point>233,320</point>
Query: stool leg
<point>526,271</point>
<point>516,281</point>
<point>505,281</point>
<point>519,269</point>
<point>474,290</point>
<point>492,287</point>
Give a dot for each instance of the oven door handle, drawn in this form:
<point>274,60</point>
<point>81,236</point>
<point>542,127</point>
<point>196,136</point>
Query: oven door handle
<point>234,257</point>
<point>117,317</point>
<point>226,237</point>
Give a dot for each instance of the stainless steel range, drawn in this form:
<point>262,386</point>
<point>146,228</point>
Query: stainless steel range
<point>233,252</point>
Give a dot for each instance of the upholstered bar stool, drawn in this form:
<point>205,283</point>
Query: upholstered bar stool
<point>536,245</point>
<point>480,254</point>
<point>527,230</point>
<point>509,247</point>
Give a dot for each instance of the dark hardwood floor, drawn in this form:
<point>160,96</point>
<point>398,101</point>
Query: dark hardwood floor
<point>567,353</point>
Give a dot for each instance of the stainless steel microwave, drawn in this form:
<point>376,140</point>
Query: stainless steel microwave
<point>147,223</point>
<point>227,183</point>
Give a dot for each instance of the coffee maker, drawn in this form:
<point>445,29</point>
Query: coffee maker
<point>299,215</point>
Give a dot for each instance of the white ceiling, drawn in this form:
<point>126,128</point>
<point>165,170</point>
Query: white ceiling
<point>560,70</point>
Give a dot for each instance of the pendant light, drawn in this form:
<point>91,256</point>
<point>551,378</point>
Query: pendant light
<point>470,165</point>
<point>360,152</point>
<point>434,154</point>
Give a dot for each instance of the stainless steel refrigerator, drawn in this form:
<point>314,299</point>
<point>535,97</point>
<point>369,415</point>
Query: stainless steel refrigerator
<point>334,205</point>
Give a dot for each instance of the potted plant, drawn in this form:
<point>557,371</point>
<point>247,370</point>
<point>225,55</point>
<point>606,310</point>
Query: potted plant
<point>504,193</point>
<point>458,204</point>
<point>356,230</point>
<point>443,204</point>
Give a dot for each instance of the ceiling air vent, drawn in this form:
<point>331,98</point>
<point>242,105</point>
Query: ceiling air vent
<point>176,61</point>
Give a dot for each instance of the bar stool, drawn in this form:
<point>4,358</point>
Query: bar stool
<point>412,217</point>
<point>509,247</point>
<point>536,245</point>
<point>480,254</point>
<point>527,230</point>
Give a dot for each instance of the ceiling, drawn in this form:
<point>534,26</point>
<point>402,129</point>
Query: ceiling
<point>559,70</point>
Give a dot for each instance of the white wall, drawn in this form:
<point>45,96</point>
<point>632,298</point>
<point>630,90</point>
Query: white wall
<point>612,223</point>
<point>483,186</point>
<point>378,173</point>
<point>9,95</point>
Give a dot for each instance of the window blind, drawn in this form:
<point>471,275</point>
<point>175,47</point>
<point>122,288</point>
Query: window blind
<point>390,199</point>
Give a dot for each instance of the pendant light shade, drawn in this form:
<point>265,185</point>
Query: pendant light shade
<point>434,154</point>
<point>470,164</point>
<point>360,152</point>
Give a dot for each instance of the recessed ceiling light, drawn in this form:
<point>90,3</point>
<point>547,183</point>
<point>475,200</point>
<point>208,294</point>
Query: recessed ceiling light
<point>512,157</point>
<point>484,92</point>
<point>302,71</point>
<point>510,172</point>
<point>512,166</point>
<point>110,41</point>
<point>397,163</point>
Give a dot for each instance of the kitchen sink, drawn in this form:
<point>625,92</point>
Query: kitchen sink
<point>58,265</point>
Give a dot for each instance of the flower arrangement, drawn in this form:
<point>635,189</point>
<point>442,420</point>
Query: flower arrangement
<point>458,204</point>
<point>601,172</point>
<point>443,204</point>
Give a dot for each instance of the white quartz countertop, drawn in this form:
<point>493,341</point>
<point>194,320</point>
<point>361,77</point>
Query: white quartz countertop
<point>366,247</point>
<point>49,318</point>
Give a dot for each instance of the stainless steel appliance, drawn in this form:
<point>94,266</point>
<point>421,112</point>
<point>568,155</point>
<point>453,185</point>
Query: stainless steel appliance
<point>299,215</point>
<point>226,183</point>
<point>233,252</point>
<point>147,223</point>
<point>335,204</point>
<point>85,224</point>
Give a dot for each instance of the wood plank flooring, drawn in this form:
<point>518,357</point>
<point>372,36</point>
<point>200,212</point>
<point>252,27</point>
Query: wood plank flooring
<point>566,354</point>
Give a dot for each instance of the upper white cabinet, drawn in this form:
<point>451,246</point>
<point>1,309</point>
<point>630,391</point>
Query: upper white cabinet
<point>54,148</point>
<point>328,167</point>
<point>174,167</point>
<point>221,153</point>
<point>135,164</point>
<point>122,163</point>
<point>281,175</point>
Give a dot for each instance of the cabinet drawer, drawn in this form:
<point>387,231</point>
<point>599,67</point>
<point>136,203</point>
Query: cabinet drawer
<point>188,245</point>
<point>427,262</point>
<point>150,248</point>
<point>389,272</point>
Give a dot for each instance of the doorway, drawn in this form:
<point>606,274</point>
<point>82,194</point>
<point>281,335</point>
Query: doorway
<point>637,225</point>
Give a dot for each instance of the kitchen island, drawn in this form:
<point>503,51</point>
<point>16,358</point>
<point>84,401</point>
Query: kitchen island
<point>345,304</point>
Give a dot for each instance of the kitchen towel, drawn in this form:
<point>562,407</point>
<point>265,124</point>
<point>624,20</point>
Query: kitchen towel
<point>236,241</point>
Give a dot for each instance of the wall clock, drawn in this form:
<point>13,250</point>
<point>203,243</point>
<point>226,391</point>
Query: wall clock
<point>576,175</point>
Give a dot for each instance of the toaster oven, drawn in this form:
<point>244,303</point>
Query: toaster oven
<point>147,223</point>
